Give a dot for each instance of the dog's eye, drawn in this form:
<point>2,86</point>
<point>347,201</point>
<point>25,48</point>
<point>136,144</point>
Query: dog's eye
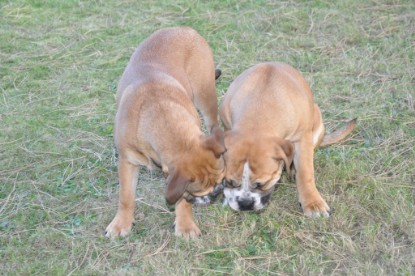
<point>257,185</point>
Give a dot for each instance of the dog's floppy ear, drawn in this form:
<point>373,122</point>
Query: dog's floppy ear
<point>215,141</point>
<point>176,186</point>
<point>284,150</point>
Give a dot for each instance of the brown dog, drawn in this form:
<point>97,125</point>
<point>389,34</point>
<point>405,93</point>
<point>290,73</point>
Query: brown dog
<point>157,124</point>
<point>272,120</point>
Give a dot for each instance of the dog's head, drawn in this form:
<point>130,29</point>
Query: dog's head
<point>197,173</point>
<point>253,168</point>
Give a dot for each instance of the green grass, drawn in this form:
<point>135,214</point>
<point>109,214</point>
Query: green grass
<point>60,62</point>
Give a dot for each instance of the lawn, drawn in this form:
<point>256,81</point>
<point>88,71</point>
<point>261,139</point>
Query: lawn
<point>60,62</point>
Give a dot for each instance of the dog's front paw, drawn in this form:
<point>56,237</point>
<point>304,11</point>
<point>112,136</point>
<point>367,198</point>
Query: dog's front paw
<point>188,231</point>
<point>120,226</point>
<point>316,207</point>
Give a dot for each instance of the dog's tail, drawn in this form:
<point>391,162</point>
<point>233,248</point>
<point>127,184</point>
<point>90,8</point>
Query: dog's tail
<point>339,134</point>
<point>218,72</point>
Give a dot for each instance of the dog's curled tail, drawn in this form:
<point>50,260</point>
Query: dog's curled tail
<point>339,134</point>
<point>218,72</point>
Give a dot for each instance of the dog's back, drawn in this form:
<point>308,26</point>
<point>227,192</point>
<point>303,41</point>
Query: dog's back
<point>178,51</point>
<point>270,87</point>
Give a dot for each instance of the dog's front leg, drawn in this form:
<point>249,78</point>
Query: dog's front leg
<point>123,220</point>
<point>311,201</point>
<point>184,224</point>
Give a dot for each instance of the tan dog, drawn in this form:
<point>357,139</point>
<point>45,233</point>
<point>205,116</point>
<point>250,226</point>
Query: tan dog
<point>272,120</point>
<point>157,124</point>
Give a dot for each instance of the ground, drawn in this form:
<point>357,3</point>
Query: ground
<point>60,62</point>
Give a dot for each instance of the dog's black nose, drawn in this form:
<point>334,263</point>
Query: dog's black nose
<point>246,204</point>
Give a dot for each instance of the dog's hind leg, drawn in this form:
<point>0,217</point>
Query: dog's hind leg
<point>207,103</point>
<point>203,84</point>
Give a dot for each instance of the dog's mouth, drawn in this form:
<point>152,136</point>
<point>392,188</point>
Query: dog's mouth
<point>207,199</point>
<point>239,199</point>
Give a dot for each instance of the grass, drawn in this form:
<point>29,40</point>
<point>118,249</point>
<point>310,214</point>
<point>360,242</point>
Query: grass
<point>60,64</point>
